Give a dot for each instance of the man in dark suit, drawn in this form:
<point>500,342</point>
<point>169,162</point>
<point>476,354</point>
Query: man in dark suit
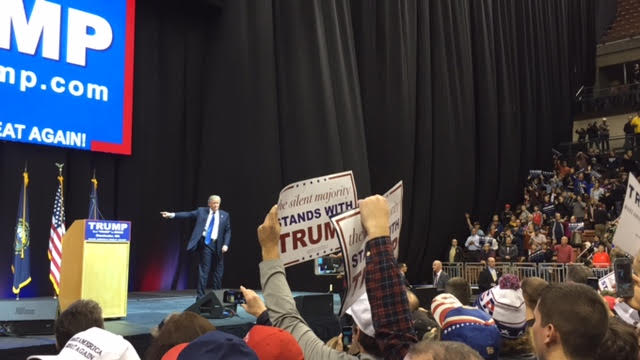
<point>211,237</point>
<point>489,276</point>
<point>440,277</point>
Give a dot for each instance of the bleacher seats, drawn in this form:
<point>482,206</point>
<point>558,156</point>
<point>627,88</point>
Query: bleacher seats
<point>627,23</point>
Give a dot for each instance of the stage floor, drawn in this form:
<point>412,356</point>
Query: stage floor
<point>144,311</point>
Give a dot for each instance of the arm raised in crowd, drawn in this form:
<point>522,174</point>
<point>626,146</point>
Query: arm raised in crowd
<point>278,298</point>
<point>385,288</point>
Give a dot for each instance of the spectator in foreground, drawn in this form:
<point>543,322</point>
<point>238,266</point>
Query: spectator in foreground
<point>620,342</point>
<point>255,306</point>
<point>459,287</point>
<point>423,322</point>
<point>628,310</point>
<point>442,350</point>
<point>271,343</point>
<point>81,315</point>
<point>177,329</point>
<point>478,329</point>
<point>505,303</point>
<point>570,322</point>
<point>389,309</point>
<point>532,289</point>
<point>95,344</point>
<point>579,274</point>
<point>214,345</point>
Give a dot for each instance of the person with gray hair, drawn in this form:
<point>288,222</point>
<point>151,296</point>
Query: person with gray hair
<point>441,350</point>
<point>211,237</point>
<point>440,277</point>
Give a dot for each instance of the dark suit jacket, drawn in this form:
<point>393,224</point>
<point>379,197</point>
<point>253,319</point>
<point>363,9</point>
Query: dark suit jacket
<point>485,280</point>
<point>458,257</point>
<point>442,280</point>
<point>201,214</point>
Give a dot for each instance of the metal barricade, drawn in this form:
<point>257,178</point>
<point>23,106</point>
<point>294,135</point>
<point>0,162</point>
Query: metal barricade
<point>453,269</point>
<point>504,267</point>
<point>552,272</point>
<point>472,271</point>
<point>601,272</point>
<point>524,270</point>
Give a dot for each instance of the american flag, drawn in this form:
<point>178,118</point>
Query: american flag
<point>55,238</point>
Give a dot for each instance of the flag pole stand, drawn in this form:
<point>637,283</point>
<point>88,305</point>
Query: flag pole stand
<point>17,297</point>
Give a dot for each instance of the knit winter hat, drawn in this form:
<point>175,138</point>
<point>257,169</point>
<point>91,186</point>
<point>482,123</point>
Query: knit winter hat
<point>466,324</point>
<point>505,303</point>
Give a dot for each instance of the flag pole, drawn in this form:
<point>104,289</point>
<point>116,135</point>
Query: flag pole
<point>60,180</point>
<point>25,180</point>
<point>94,181</point>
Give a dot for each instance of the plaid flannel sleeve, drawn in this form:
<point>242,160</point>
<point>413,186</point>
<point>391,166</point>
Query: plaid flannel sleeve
<point>388,300</point>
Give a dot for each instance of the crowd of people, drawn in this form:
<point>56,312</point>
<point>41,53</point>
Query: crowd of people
<point>568,215</point>
<point>512,319</point>
<point>594,135</point>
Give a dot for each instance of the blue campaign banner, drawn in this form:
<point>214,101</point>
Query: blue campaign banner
<point>66,73</point>
<point>107,231</point>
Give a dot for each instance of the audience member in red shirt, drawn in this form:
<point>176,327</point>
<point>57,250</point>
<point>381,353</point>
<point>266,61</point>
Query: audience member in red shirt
<point>564,251</point>
<point>537,216</point>
<point>601,258</point>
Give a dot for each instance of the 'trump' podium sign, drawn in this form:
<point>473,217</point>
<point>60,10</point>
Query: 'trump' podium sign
<point>107,230</point>
<point>66,73</point>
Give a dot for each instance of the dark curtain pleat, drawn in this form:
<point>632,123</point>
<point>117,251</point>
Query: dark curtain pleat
<point>459,99</point>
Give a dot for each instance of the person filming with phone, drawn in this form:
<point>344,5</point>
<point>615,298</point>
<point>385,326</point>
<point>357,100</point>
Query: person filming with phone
<point>627,308</point>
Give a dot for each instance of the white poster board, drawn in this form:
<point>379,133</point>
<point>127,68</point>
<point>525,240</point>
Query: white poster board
<point>352,238</point>
<point>627,236</point>
<point>607,282</point>
<point>304,212</point>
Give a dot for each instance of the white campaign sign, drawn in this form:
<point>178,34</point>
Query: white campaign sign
<point>627,236</point>
<point>304,212</point>
<point>394,198</point>
<point>607,282</point>
<point>352,238</point>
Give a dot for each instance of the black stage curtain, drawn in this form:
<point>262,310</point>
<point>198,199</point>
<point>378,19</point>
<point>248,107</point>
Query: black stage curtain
<point>457,98</point>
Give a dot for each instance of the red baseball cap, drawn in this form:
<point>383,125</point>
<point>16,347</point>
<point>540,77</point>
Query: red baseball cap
<point>173,353</point>
<point>271,343</point>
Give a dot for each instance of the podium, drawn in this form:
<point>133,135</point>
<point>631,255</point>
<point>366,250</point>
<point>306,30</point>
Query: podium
<point>95,265</point>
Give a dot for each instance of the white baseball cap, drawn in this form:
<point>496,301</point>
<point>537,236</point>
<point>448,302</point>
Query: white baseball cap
<point>94,344</point>
<point>360,311</point>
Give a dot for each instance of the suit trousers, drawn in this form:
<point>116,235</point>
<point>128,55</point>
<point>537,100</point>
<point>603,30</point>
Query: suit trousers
<point>210,261</point>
